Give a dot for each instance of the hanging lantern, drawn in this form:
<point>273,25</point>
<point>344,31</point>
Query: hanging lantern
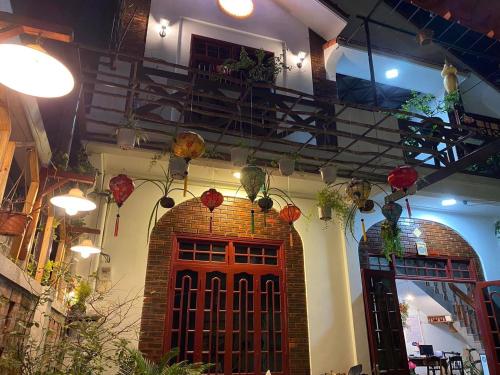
<point>450,78</point>
<point>402,178</point>
<point>188,145</point>
<point>252,179</point>
<point>290,213</point>
<point>121,187</point>
<point>212,199</point>
<point>359,192</point>
<point>392,212</point>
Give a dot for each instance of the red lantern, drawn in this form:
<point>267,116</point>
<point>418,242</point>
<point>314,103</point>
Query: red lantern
<point>402,178</point>
<point>212,199</point>
<point>121,187</point>
<point>290,213</point>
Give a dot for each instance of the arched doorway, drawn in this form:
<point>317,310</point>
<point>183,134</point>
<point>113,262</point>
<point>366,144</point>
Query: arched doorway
<point>449,273</point>
<point>221,297</point>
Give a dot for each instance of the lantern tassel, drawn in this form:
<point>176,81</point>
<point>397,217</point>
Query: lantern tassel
<point>265,219</point>
<point>408,208</point>
<point>252,221</point>
<point>185,185</point>
<point>211,220</point>
<point>117,224</point>
<point>291,235</point>
<point>363,228</point>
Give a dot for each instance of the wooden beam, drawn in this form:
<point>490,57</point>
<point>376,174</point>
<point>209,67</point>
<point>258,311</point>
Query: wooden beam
<point>45,247</point>
<point>5,164</point>
<point>5,122</point>
<point>80,230</point>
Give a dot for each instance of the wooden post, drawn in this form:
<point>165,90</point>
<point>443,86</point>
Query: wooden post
<point>6,151</point>
<point>45,247</point>
<point>5,164</point>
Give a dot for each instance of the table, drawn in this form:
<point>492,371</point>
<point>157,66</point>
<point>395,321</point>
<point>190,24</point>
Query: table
<point>424,361</point>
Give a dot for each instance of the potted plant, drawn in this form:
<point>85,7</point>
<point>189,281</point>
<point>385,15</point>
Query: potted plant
<point>129,135</point>
<point>13,221</point>
<point>262,68</point>
<point>332,202</point>
<point>239,155</point>
<point>177,167</point>
<point>286,164</point>
<point>328,173</point>
<point>391,238</point>
<point>78,303</point>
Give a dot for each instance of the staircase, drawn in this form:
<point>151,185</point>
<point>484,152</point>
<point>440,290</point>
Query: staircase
<point>457,300</point>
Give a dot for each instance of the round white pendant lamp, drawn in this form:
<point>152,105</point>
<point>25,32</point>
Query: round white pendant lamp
<point>237,8</point>
<point>73,202</point>
<point>32,71</point>
<point>86,248</point>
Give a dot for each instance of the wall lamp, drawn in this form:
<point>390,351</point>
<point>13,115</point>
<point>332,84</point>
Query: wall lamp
<point>163,28</point>
<point>300,59</point>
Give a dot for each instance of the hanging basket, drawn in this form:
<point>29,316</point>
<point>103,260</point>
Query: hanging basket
<point>286,166</point>
<point>325,213</point>
<point>329,174</point>
<point>239,156</point>
<point>13,223</point>
<point>125,138</point>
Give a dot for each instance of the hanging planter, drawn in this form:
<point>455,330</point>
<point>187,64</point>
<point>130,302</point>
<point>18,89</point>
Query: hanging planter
<point>391,237</point>
<point>239,156</point>
<point>121,187</point>
<point>212,199</point>
<point>286,166</point>
<point>178,168</point>
<point>265,203</point>
<point>328,174</point>
<point>331,202</point>
<point>392,212</point>
<point>325,213</point>
<point>129,135</point>
<point>13,223</point>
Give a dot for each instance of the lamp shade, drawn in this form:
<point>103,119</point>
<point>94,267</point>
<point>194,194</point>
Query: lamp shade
<point>32,71</point>
<point>73,202</point>
<point>359,192</point>
<point>237,8</point>
<point>86,248</point>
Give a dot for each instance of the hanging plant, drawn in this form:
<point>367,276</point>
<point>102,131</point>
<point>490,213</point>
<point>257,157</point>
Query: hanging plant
<point>260,68</point>
<point>328,201</point>
<point>391,238</point>
<point>129,134</point>
<point>328,173</point>
<point>240,154</point>
<point>286,164</point>
<point>404,310</point>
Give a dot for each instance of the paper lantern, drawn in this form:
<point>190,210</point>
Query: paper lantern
<point>359,192</point>
<point>121,187</point>
<point>212,199</point>
<point>188,145</point>
<point>392,211</point>
<point>252,179</point>
<point>290,213</point>
<point>403,177</point>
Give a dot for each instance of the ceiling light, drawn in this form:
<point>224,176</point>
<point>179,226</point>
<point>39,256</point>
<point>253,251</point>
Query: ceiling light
<point>73,202</point>
<point>391,73</point>
<point>409,297</point>
<point>32,71</point>
<point>86,249</point>
<point>237,8</point>
<point>237,175</point>
<point>448,202</point>
<point>301,56</point>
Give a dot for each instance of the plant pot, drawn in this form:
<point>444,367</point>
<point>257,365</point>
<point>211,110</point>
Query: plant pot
<point>177,167</point>
<point>125,138</point>
<point>329,174</point>
<point>239,156</point>
<point>13,223</point>
<point>286,166</point>
<point>325,213</point>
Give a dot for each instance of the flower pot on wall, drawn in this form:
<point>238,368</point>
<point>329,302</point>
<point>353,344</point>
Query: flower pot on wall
<point>239,156</point>
<point>13,223</point>
<point>125,138</point>
<point>177,167</point>
<point>286,166</point>
<point>329,174</point>
<point>325,213</point>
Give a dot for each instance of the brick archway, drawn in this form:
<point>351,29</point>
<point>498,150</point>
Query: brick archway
<point>231,220</point>
<point>441,241</point>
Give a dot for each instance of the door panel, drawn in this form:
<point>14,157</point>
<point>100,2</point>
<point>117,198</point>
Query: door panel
<point>488,308</point>
<point>383,318</point>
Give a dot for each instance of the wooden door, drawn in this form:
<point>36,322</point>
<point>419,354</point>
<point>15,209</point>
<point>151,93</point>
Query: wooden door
<point>488,310</point>
<point>383,318</point>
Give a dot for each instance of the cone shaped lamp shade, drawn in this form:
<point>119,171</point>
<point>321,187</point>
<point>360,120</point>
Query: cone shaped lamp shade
<point>86,248</point>
<point>32,71</point>
<point>73,202</point>
<point>237,8</point>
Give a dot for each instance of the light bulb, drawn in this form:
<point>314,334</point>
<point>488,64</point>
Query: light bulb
<point>237,8</point>
<point>86,249</point>
<point>73,202</point>
<point>84,254</point>
<point>71,211</point>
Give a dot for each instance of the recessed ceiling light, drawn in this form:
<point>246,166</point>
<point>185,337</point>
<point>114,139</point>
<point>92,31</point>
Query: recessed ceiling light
<point>237,175</point>
<point>237,8</point>
<point>410,297</point>
<point>448,202</point>
<point>391,73</point>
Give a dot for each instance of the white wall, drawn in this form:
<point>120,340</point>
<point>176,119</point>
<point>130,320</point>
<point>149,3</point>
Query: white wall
<point>480,97</point>
<point>329,315</point>
<point>270,27</point>
<point>5,6</point>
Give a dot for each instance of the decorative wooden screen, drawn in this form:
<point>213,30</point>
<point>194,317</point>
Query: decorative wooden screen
<point>227,305</point>
<point>488,307</point>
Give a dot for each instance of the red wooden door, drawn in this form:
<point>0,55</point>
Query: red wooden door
<point>488,310</point>
<point>383,319</point>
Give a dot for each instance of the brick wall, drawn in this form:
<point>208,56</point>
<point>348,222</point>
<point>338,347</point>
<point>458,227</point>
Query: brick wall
<point>321,85</point>
<point>231,220</point>
<point>440,240</point>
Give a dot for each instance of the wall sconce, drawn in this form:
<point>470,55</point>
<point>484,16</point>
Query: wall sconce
<point>163,27</point>
<point>300,59</point>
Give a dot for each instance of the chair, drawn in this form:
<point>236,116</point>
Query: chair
<point>355,370</point>
<point>433,365</point>
<point>456,365</point>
